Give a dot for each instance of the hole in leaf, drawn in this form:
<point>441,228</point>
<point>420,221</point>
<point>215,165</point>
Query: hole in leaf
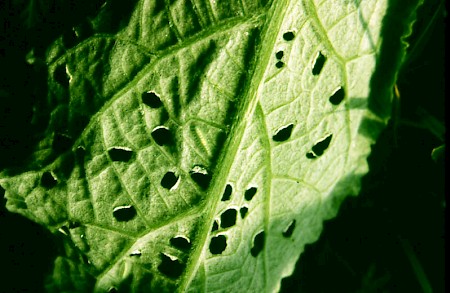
<point>218,244</point>
<point>201,176</point>
<point>288,36</point>
<point>289,229</point>
<point>64,230</point>
<point>113,290</point>
<point>250,193</point>
<point>337,97</point>
<point>162,135</point>
<point>60,75</point>
<point>215,226</point>
<point>279,55</point>
<point>136,253</point>
<point>318,64</point>
<point>61,142</point>
<point>320,147</point>
<point>151,99</point>
<point>258,244</point>
<point>228,218</point>
<point>124,213</point>
<point>284,133</point>
<point>171,266</point>
<point>48,180</point>
<point>169,180</point>
<point>120,154</point>
<point>279,64</point>
<point>243,211</point>
<point>227,192</point>
<point>311,155</point>
<point>181,243</point>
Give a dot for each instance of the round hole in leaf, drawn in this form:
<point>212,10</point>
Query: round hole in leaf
<point>258,244</point>
<point>200,176</point>
<point>228,218</point>
<point>218,244</point>
<point>288,36</point>
<point>169,180</point>
<point>151,99</point>
<point>161,135</point>
<point>124,213</point>
<point>48,180</point>
<point>120,154</point>
<point>250,193</point>
<point>227,192</point>
<point>283,133</point>
<point>279,64</point>
<point>181,243</point>
<point>171,266</point>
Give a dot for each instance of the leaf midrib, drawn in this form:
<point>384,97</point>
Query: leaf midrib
<point>272,23</point>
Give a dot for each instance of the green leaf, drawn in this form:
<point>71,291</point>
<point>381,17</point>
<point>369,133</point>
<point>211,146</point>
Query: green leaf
<point>199,145</point>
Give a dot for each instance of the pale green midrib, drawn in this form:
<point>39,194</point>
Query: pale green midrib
<point>268,184</point>
<point>274,17</point>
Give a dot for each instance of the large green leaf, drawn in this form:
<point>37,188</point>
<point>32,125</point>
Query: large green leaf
<point>199,145</point>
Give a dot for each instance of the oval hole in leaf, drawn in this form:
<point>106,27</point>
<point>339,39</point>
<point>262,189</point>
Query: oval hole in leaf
<point>169,180</point>
<point>170,266</point>
<point>283,133</point>
<point>318,64</point>
<point>228,218</point>
<point>180,242</point>
<point>258,244</point>
<point>60,75</point>
<point>201,176</point>
<point>151,99</point>
<point>250,193</point>
<point>279,55</point>
<point>162,135</point>
<point>320,147</point>
<point>289,229</point>
<point>243,211</point>
<point>120,154</point>
<point>218,244</point>
<point>48,180</point>
<point>227,192</point>
<point>337,97</point>
<point>124,213</point>
<point>288,36</point>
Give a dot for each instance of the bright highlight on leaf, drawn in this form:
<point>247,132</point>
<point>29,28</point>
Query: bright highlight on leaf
<point>197,146</point>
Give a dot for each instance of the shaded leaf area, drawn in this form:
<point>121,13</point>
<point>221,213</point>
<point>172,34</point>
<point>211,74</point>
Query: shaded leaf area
<point>402,198</point>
